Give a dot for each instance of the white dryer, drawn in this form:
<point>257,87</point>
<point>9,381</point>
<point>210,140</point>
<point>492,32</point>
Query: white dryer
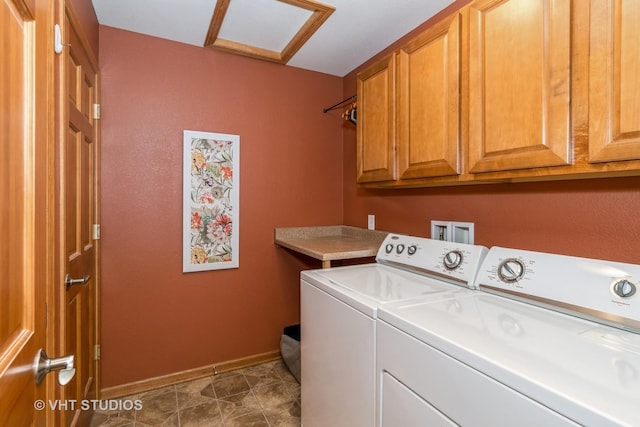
<point>338,320</point>
<point>552,341</point>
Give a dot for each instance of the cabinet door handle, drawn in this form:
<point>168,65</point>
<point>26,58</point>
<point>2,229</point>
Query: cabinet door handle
<point>69,281</point>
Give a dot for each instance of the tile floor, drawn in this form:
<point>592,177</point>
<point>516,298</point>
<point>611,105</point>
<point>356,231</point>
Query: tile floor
<point>265,395</point>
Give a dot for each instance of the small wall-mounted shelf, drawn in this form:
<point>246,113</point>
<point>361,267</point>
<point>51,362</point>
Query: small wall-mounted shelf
<point>330,243</point>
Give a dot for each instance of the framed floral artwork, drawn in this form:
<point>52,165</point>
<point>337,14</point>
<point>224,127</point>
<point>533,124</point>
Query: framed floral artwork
<point>211,208</point>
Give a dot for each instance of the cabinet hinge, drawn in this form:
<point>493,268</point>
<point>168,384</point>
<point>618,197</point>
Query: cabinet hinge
<point>96,231</point>
<point>96,352</point>
<point>96,111</point>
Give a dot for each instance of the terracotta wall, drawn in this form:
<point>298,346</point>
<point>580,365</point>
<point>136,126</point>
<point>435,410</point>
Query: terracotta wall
<point>591,218</point>
<point>155,319</point>
<point>86,15</point>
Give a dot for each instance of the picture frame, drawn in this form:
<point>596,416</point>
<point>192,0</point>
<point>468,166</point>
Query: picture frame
<point>211,202</point>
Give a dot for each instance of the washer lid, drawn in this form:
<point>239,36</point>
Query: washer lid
<point>368,286</point>
<point>581,369</point>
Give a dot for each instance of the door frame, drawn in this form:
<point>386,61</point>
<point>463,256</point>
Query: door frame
<point>56,335</point>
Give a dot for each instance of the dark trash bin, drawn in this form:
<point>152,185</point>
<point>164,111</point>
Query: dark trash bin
<point>290,349</point>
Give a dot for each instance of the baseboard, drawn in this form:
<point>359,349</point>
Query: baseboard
<point>188,375</point>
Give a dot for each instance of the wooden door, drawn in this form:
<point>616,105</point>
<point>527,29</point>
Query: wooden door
<point>23,218</point>
<point>376,135</point>
<point>79,213</point>
<point>614,81</point>
<point>429,102</point>
<point>519,84</point>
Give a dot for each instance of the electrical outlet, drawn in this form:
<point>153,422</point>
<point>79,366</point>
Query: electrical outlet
<point>371,222</point>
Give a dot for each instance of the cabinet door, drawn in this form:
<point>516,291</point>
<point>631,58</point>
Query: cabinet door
<point>519,84</point>
<point>614,81</point>
<point>376,141</point>
<point>429,102</point>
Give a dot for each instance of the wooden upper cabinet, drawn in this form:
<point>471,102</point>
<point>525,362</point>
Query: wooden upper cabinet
<point>614,81</point>
<point>376,136</point>
<point>428,107</point>
<point>519,84</point>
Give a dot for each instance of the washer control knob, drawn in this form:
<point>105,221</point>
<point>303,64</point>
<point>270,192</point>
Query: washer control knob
<point>452,260</point>
<point>400,248</point>
<point>388,248</point>
<point>511,270</point>
<point>412,249</point>
<point>624,288</point>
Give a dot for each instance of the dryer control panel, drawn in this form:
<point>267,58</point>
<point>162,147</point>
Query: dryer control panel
<point>603,291</point>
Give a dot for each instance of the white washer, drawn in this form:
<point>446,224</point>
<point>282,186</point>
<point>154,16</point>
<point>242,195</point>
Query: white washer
<point>562,349</point>
<point>338,320</point>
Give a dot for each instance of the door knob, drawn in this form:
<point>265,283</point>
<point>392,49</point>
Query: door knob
<point>70,281</point>
<point>43,365</point>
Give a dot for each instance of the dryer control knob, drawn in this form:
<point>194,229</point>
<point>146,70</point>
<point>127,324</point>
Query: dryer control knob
<point>452,260</point>
<point>388,248</point>
<point>412,249</point>
<point>511,270</point>
<point>624,288</point>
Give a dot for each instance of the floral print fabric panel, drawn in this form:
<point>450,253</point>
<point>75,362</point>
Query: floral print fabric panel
<point>212,203</point>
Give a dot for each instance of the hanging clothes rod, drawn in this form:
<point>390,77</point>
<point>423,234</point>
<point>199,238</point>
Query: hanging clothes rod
<point>351,98</point>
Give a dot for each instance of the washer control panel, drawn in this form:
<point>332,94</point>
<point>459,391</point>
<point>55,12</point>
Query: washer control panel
<point>594,289</point>
<point>453,259</point>
<point>400,248</point>
<point>624,288</point>
<point>511,270</point>
<point>455,262</point>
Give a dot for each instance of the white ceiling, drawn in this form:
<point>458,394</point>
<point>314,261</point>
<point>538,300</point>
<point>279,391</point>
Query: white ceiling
<point>356,31</point>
